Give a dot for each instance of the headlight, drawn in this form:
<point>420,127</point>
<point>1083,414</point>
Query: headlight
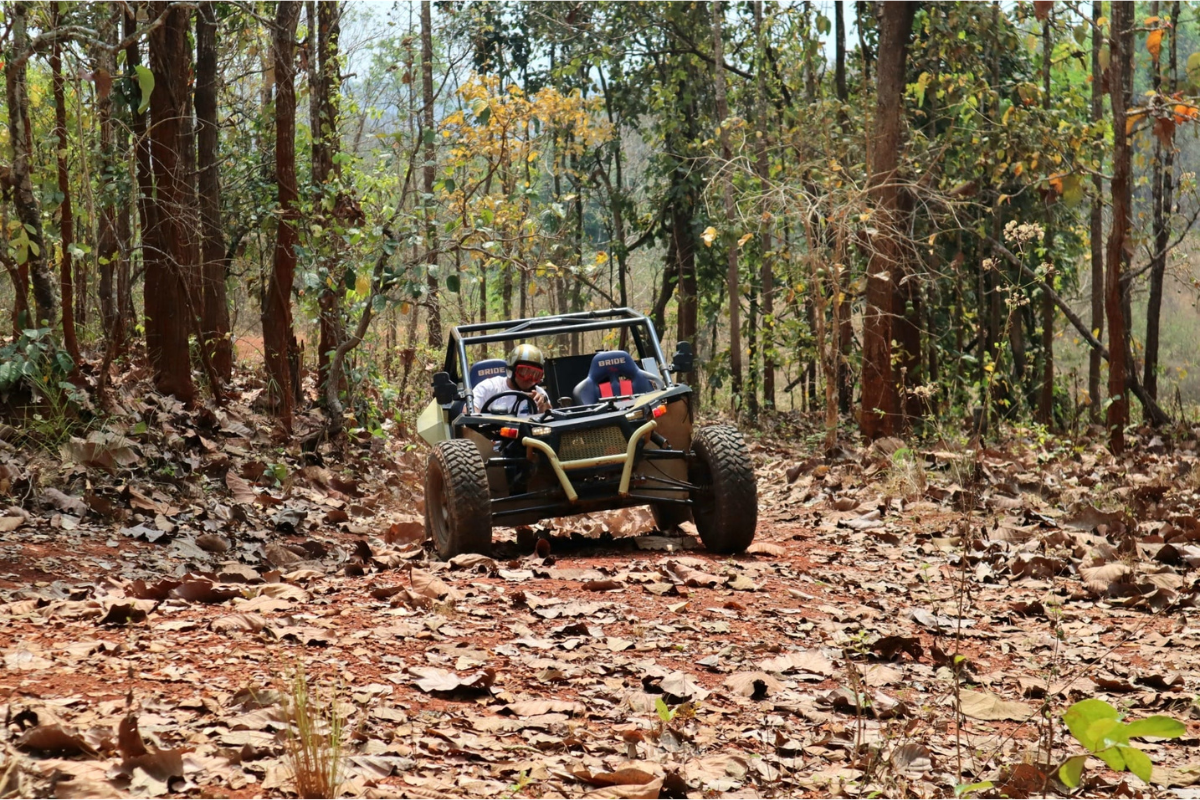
<point>540,431</point>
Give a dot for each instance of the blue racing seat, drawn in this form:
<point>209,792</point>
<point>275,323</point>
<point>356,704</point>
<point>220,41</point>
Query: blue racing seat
<point>488,368</point>
<point>613,373</point>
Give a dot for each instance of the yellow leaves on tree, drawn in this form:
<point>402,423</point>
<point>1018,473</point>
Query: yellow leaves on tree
<point>502,144</point>
<point>1154,43</point>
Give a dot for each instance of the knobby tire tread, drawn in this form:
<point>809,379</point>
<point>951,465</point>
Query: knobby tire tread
<point>465,492</point>
<point>731,525</point>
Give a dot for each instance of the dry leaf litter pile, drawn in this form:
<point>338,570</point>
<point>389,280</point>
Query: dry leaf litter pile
<point>890,631</point>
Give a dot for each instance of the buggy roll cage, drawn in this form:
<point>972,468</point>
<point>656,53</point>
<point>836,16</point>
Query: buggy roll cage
<point>644,335</point>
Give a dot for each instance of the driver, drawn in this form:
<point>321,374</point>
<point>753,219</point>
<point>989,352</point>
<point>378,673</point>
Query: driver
<point>525,371</point>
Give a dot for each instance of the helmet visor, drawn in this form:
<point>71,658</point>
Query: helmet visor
<point>528,373</point>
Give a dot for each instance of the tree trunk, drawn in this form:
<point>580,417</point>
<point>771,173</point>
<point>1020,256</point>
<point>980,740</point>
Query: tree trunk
<point>278,339</point>
<point>66,218</point>
<point>845,325</point>
<point>730,233</point>
<point>880,399</point>
<point>1122,187</point>
<point>1096,224</point>
<point>147,210</point>
<point>170,269</point>
<point>762,167</point>
<point>1163,200</point>
<point>214,305</point>
<point>25,201</point>
<point>325,82</point>
<point>108,253</point>
<point>685,255</point>
<point>434,332</point>
<point>1046,395</point>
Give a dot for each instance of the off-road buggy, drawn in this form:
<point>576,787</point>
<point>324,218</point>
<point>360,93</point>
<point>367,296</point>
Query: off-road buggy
<point>619,433</point>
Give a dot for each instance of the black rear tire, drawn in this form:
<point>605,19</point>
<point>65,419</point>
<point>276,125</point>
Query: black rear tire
<point>725,500</point>
<point>458,505</point>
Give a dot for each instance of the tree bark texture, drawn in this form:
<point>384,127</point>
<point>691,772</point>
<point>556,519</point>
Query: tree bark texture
<point>108,251</point>
<point>880,401</point>
<point>1045,406</point>
<point>214,312</point>
<point>169,256</point>
<point>29,210</point>
<point>766,272</point>
<point>278,339</point>
<point>1096,224</point>
<point>429,172</point>
<point>66,217</point>
<point>1162,187</point>
<point>1122,197</point>
<point>325,82</point>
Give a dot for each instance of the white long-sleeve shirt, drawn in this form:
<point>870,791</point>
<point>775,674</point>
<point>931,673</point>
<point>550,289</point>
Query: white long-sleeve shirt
<point>512,405</point>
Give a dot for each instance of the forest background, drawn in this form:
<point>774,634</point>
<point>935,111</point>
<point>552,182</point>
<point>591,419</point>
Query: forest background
<point>921,212</point>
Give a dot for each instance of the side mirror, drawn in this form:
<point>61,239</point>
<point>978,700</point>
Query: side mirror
<point>444,389</point>
<point>683,360</point>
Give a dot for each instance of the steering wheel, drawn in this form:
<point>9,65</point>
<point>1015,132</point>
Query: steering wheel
<point>484,409</point>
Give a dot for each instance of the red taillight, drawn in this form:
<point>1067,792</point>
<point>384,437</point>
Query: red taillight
<point>510,433</point>
<point>660,410</point>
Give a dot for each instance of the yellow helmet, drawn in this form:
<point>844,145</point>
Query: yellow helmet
<point>525,354</point>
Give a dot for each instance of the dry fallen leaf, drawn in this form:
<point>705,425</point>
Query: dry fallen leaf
<point>989,707</point>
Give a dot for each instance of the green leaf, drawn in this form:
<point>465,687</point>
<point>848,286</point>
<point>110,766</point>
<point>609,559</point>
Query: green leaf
<point>145,79</point>
<point>1080,717</point>
<point>664,712</point>
<point>349,278</point>
<point>1105,733</point>
<point>1071,772</point>
<point>966,788</point>
<point>1137,762</point>
<point>453,283</point>
<point>1112,756</point>
<point>1193,68</point>
<point>1158,725</point>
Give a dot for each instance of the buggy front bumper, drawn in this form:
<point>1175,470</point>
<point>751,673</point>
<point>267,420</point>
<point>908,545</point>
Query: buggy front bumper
<point>561,468</point>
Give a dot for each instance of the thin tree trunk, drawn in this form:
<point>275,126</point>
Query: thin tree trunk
<point>1164,198</point>
<point>880,398</point>
<point>1096,224</point>
<point>1122,188</point>
<point>731,274</point>
<point>430,172</point>
<point>845,326</point>
<point>762,167</point>
<point>278,338</point>
<point>147,209</point>
<point>214,313</point>
<point>20,136</point>
<point>108,253</point>
<point>66,218</point>
<point>325,82</point>
<point>1046,396</point>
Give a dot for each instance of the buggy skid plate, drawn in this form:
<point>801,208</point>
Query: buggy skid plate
<point>561,468</point>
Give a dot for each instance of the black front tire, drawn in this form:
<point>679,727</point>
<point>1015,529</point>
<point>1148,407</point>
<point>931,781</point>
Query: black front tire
<point>725,500</point>
<point>458,505</point>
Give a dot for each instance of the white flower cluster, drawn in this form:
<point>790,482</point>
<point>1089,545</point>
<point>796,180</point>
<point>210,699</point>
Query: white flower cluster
<point>989,264</point>
<point>1024,232</point>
